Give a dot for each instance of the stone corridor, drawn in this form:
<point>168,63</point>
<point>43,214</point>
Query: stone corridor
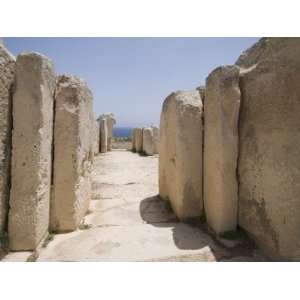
<point>128,222</point>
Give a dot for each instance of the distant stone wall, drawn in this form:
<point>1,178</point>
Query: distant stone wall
<point>110,122</point>
<point>103,135</point>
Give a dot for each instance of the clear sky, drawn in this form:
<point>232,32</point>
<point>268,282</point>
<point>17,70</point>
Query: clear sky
<point>132,76</point>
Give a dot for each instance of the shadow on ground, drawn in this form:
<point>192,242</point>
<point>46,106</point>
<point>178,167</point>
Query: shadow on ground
<point>194,235</point>
<point>158,213</point>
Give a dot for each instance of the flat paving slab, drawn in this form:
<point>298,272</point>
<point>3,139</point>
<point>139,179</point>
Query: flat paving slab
<point>128,222</point>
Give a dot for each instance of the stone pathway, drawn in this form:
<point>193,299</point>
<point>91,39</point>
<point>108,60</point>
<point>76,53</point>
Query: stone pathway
<point>128,222</point>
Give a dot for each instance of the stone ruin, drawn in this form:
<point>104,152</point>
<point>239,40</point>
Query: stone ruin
<point>145,140</point>
<point>106,124</point>
<point>238,139</point>
<point>180,156</point>
<point>228,152</point>
<point>47,134</point>
<point>71,191</point>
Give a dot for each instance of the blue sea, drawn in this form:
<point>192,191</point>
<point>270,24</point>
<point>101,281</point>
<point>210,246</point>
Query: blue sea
<point>122,131</point>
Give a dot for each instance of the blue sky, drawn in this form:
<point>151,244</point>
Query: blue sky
<point>132,76</point>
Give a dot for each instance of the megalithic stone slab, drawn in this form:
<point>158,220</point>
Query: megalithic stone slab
<point>110,122</point>
<point>180,156</point>
<point>269,157</point>
<point>133,139</point>
<point>7,70</point>
<point>72,154</point>
<point>221,114</point>
<point>148,141</point>
<point>32,149</point>
<point>96,137</point>
<point>139,140</point>
<point>103,135</point>
<point>155,131</point>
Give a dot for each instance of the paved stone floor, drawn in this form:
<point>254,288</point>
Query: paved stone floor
<point>128,222</point>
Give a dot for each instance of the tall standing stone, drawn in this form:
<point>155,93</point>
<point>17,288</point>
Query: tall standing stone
<point>96,137</point>
<point>221,115</point>
<point>148,142</point>
<point>139,140</point>
<point>31,151</point>
<point>155,131</point>
<point>72,154</point>
<point>269,158</point>
<point>133,139</point>
<point>180,156</point>
<point>7,70</point>
<point>110,122</point>
<point>103,135</point>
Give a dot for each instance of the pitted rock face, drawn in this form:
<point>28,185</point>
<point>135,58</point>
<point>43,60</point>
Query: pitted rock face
<point>31,154</point>
<point>73,153</point>
<point>221,115</point>
<point>269,165</point>
<point>180,155</point>
<point>7,71</point>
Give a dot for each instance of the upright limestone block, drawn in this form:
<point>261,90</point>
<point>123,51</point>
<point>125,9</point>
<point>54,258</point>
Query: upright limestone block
<point>133,139</point>
<point>221,114</point>
<point>155,131</point>
<point>72,154</point>
<point>103,135</point>
<point>148,141</point>
<point>269,158</point>
<point>139,140</point>
<point>110,122</point>
<point>180,155</point>
<point>31,151</point>
<point>96,137</point>
<point>7,70</point>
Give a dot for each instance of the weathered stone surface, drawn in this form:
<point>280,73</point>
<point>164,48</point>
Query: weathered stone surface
<point>96,137</point>
<point>139,140</point>
<point>155,131</point>
<point>133,139</point>
<point>269,164</point>
<point>221,114</point>
<point>280,48</point>
<point>72,154</point>
<point>201,90</point>
<point>180,156</point>
<point>148,141</point>
<point>7,70</point>
<point>110,121</point>
<point>103,135</point>
<point>31,151</point>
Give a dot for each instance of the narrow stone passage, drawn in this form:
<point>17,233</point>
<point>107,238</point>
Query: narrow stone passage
<point>128,222</point>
